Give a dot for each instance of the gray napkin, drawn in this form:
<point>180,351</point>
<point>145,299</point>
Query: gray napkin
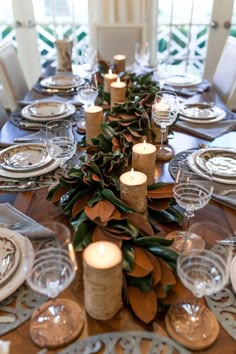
<point>229,200</point>
<point>30,228</point>
<point>206,131</point>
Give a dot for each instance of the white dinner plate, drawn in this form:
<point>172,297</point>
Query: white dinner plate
<point>9,257</point>
<point>71,109</point>
<point>221,116</point>
<point>193,165</point>
<point>47,109</point>
<point>62,81</point>
<point>200,111</point>
<point>218,161</point>
<point>18,277</point>
<point>183,80</point>
<point>24,157</point>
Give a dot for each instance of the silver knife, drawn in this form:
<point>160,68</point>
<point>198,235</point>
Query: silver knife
<point>227,241</point>
<point>31,125</point>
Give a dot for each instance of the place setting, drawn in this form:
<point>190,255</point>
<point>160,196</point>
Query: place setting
<point>186,84</point>
<point>60,84</point>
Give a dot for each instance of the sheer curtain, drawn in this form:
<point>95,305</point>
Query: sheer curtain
<point>126,11</point>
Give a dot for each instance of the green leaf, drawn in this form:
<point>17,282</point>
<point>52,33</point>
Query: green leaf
<point>83,235</point>
<point>68,208</point>
<point>164,252</point>
<point>128,228</point>
<point>107,131</point>
<point>144,284</point>
<point>157,185</point>
<point>152,241</point>
<point>109,195</point>
<point>95,198</point>
<point>128,257</point>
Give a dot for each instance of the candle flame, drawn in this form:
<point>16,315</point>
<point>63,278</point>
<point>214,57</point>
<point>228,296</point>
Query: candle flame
<point>109,71</point>
<point>92,104</point>
<point>132,173</point>
<point>118,79</point>
<point>144,144</point>
<point>101,248</point>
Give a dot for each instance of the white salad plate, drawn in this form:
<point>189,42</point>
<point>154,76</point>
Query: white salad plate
<point>218,161</point>
<point>219,115</point>
<point>18,277</point>
<point>24,157</point>
<point>194,166</point>
<point>62,81</point>
<point>47,109</point>
<point>71,109</point>
<point>9,257</point>
<point>183,80</point>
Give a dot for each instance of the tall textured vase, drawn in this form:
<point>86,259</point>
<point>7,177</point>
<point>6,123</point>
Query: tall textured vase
<point>64,54</point>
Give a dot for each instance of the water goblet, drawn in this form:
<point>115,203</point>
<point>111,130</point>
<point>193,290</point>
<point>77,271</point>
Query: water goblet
<point>192,192</point>
<point>88,61</point>
<point>57,321</point>
<point>142,54</point>
<point>60,141</point>
<point>203,272</point>
<point>164,113</point>
<point>87,95</point>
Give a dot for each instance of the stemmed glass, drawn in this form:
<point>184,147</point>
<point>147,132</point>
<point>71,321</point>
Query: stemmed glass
<point>164,113</point>
<point>60,141</point>
<point>89,61</point>
<point>57,321</point>
<point>87,95</point>
<point>192,192</point>
<point>142,54</point>
<point>203,272</point>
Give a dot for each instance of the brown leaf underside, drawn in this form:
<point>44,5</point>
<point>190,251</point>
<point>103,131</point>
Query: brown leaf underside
<point>144,304</point>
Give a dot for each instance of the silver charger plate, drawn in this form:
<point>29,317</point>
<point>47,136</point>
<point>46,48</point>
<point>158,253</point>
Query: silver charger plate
<point>183,80</point>
<point>217,110</point>
<point>9,257</point>
<point>24,157</point>
<point>199,111</point>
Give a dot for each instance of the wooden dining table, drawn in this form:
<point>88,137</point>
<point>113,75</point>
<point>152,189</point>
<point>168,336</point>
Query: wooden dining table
<point>35,205</point>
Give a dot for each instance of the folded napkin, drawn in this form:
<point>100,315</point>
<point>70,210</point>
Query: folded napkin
<point>190,90</point>
<point>30,228</point>
<point>228,200</point>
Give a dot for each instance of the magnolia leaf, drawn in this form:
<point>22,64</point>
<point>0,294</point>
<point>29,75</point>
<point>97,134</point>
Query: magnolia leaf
<point>127,228</point>
<point>80,204</point>
<point>95,198</point>
<point>144,304</point>
<point>158,204</point>
<point>167,274</point>
<point>160,291</point>
<point>119,234</point>
<point>128,257</point>
<point>56,192</point>
<point>152,241</point>
<point>82,236</point>
<point>142,264</point>
<point>101,212</point>
<point>141,223</point>
<point>100,235</point>
<point>70,203</point>
<point>107,131</point>
<point>156,273</point>
<point>109,195</point>
<point>177,291</point>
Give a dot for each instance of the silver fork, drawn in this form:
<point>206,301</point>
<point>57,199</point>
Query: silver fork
<point>12,226</point>
<point>226,191</point>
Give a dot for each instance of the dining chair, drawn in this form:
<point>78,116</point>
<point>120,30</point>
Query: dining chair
<point>224,78</point>
<point>117,39</point>
<point>3,116</point>
<point>11,75</point>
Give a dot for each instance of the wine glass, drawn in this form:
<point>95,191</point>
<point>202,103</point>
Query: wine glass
<point>192,192</point>
<point>88,61</point>
<point>60,141</point>
<point>87,95</point>
<point>57,321</point>
<point>142,54</point>
<point>203,272</point>
<point>164,113</point>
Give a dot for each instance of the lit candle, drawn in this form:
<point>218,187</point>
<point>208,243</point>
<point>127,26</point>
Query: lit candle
<point>144,159</point>
<point>119,61</point>
<point>133,190</point>
<point>108,79</point>
<point>102,273</point>
<point>93,118</point>
<point>118,91</point>
<point>160,106</point>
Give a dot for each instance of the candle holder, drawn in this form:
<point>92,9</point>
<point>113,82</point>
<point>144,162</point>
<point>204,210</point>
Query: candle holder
<point>108,79</point>
<point>144,159</point>
<point>119,62</point>
<point>118,92</point>
<point>133,190</point>
<point>102,265</point>
<point>93,118</point>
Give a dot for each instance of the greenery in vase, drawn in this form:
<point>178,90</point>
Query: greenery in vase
<point>90,197</point>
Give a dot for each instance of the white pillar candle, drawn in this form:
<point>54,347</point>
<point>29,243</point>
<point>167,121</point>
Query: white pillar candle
<point>108,79</point>
<point>93,118</point>
<point>144,159</point>
<point>118,92</point>
<point>102,273</point>
<point>119,61</point>
<point>133,190</point>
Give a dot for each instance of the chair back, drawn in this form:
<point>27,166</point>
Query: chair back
<point>11,75</point>
<point>117,39</point>
<point>224,78</point>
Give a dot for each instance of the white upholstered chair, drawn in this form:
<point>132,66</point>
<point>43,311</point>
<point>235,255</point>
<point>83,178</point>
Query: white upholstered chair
<point>117,39</point>
<point>224,78</point>
<point>11,75</point>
